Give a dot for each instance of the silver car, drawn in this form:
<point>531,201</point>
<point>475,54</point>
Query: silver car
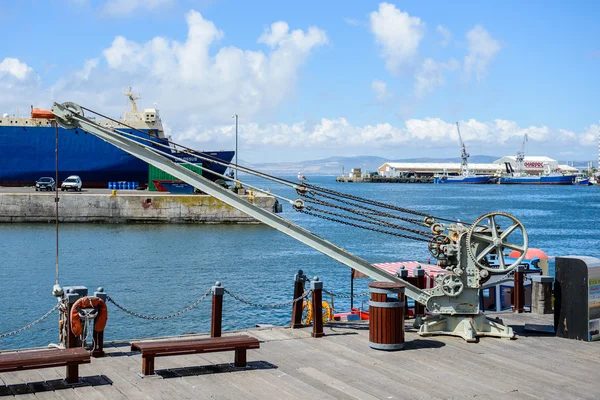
<point>73,182</point>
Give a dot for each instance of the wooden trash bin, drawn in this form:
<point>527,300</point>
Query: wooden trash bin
<point>386,316</point>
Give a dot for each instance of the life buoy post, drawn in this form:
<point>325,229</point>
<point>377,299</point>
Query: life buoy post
<point>299,280</point>
<point>90,307</point>
<point>217,310</point>
<point>70,296</point>
<point>98,350</point>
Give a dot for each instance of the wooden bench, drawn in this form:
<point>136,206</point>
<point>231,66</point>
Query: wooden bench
<point>71,358</point>
<point>163,348</point>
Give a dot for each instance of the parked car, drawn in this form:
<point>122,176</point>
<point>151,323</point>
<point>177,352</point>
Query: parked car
<point>73,182</point>
<point>45,183</point>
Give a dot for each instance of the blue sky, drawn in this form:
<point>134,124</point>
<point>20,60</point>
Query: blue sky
<point>313,79</point>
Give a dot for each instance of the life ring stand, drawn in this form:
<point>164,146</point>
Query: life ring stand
<point>89,302</point>
<point>307,312</point>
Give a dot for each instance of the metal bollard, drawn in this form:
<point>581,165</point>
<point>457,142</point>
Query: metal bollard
<point>217,310</point>
<point>317,299</point>
<point>519,290</point>
<point>419,274</point>
<point>98,350</point>
<point>72,294</point>
<point>403,273</point>
<point>541,294</point>
<point>299,280</point>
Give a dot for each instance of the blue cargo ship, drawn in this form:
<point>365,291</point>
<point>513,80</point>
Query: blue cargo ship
<point>472,179</point>
<point>28,150</point>
<point>558,179</point>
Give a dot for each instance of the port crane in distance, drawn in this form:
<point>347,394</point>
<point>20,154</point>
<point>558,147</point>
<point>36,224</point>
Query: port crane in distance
<point>461,250</point>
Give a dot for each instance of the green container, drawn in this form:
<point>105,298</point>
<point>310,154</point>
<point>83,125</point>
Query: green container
<point>158,174</point>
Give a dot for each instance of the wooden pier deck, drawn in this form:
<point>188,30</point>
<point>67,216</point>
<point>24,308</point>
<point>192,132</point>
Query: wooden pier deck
<point>292,365</point>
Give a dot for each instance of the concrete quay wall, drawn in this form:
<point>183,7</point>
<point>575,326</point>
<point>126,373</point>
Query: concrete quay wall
<point>147,207</point>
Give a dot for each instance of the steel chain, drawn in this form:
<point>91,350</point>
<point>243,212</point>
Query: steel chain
<point>345,296</point>
<point>287,303</point>
<point>375,221</point>
<point>31,325</point>
<point>361,227</point>
<point>154,318</point>
<point>370,211</point>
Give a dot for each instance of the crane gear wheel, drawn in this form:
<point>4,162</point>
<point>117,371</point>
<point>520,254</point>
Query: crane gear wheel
<point>437,228</point>
<point>452,285</point>
<point>75,109</point>
<point>494,239</point>
<point>435,244</point>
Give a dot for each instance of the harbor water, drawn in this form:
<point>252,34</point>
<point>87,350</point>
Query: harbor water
<point>161,269</point>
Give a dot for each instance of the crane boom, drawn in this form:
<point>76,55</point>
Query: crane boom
<point>70,116</point>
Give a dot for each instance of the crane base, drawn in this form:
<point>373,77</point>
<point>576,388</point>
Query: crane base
<point>469,327</point>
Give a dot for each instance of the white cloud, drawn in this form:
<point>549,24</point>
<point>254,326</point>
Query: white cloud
<point>126,7</point>
<point>415,134</point>
<point>15,68</point>
<point>197,83</point>
<point>431,75</point>
<point>397,33</point>
<point>446,35</point>
<point>380,90</point>
<point>88,66</point>
<point>482,50</point>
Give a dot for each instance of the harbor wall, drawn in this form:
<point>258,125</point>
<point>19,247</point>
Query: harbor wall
<point>126,208</point>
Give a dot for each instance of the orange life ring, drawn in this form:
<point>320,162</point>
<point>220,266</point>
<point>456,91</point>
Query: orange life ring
<point>89,302</point>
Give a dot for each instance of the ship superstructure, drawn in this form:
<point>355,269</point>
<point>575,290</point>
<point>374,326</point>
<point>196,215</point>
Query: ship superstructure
<point>28,149</point>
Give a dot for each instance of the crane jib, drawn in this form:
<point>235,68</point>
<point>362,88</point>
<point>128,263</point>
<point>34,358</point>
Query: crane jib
<point>70,116</point>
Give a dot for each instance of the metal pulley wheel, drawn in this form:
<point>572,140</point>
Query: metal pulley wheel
<point>452,285</point>
<point>486,236</point>
<point>435,245</point>
<point>75,109</point>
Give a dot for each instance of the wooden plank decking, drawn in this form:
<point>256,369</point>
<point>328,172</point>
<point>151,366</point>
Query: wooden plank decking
<point>291,364</point>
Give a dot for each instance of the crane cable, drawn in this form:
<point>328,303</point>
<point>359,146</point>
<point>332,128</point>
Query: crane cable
<point>313,189</point>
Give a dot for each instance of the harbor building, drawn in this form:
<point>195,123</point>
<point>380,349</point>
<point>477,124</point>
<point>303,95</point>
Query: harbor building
<point>534,165</point>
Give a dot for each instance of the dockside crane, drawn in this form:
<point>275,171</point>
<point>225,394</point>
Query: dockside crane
<point>464,164</point>
<point>520,157</point>
<point>461,248</point>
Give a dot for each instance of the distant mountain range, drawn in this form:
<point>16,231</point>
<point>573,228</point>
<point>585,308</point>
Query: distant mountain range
<point>333,165</point>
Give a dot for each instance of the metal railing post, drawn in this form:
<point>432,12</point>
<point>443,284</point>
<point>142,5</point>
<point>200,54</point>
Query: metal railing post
<point>317,299</point>
<point>217,310</point>
<point>299,280</point>
<point>98,337</point>
<point>519,290</point>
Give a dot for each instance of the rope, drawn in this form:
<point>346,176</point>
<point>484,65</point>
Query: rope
<point>155,318</point>
<point>253,304</point>
<point>31,325</point>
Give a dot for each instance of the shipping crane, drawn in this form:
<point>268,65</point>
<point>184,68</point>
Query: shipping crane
<point>521,157</point>
<point>460,250</point>
<point>464,165</point>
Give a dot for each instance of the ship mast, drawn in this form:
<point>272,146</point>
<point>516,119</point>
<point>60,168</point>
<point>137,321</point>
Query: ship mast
<point>133,113</point>
<point>464,165</point>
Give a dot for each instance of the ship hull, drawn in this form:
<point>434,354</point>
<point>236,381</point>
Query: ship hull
<point>538,180</point>
<point>474,180</point>
<point>28,153</point>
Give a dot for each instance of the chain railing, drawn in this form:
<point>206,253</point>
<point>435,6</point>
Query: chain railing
<point>345,296</point>
<point>254,304</point>
<point>155,318</point>
<point>31,325</point>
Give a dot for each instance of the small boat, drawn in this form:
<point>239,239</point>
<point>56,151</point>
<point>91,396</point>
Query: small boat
<point>582,180</point>
<point>466,176</point>
<point>177,187</point>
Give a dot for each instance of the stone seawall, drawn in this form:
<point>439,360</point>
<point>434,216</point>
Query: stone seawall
<point>147,207</point>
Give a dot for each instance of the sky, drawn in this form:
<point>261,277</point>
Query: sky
<point>313,79</point>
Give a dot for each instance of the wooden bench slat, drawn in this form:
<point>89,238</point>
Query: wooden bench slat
<point>163,348</point>
<point>43,359</point>
<point>204,343</point>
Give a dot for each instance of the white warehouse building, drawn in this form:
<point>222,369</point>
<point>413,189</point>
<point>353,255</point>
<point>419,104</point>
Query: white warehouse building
<point>534,165</point>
